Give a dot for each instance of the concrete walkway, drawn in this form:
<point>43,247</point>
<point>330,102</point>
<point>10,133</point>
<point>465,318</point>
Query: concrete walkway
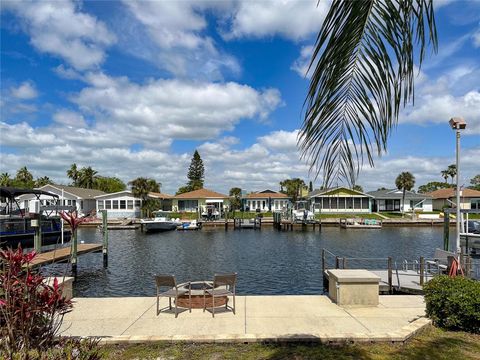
<point>258,318</point>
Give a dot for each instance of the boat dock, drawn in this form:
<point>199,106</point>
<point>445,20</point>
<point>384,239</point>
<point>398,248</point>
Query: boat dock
<point>64,254</point>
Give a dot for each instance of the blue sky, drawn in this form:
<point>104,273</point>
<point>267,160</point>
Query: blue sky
<point>133,88</point>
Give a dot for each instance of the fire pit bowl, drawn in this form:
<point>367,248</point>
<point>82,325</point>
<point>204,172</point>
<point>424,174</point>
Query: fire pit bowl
<point>197,288</point>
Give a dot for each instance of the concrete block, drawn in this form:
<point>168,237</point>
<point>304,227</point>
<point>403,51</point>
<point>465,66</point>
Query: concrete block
<point>64,283</point>
<point>353,287</point>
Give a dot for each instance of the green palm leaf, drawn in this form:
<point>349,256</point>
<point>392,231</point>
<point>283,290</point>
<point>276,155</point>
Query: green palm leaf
<point>363,65</point>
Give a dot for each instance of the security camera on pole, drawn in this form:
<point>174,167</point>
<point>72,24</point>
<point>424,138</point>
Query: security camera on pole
<point>457,124</point>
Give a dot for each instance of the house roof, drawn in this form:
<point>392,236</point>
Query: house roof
<point>160,195</point>
<point>104,195</point>
<point>397,194</point>
<point>201,194</point>
<point>450,193</point>
<point>76,191</point>
<point>320,192</point>
<point>266,194</point>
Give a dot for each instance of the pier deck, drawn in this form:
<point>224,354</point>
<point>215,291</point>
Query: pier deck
<point>63,254</point>
<point>409,281</point>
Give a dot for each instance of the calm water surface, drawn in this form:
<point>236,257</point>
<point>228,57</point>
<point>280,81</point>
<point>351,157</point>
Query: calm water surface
<point>267,261</point>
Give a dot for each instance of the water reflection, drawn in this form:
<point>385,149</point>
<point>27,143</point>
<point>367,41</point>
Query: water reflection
<point>267,261</point>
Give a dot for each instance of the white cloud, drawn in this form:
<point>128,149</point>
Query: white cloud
<point>69,118</point>
<point>177,30</point>
<point>290,19</point>
<point>174,109</point>
<point>453,93</point>
<point>303,61</point>
<point>60,28</point>
<point>25,91</point>
<point>280,140</point>
<point>476,38</point>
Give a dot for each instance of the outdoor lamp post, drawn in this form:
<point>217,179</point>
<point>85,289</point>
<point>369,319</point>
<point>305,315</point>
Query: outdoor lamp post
<point>457,124</point>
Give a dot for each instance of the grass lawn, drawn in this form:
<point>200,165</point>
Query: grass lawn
<point>394,215</point>
<point>348,216</point>
<point>248,215</point>
<point>473,216</point>
<point>432,343</point>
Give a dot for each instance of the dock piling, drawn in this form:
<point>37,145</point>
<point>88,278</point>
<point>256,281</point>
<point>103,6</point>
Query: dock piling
<point>74,253</point>
<point>422,270</point>
<point>390,281</point>
<point>105,238</point>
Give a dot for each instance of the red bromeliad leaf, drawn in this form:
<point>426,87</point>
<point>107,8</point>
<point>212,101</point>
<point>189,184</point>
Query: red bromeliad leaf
<point>72,219</point>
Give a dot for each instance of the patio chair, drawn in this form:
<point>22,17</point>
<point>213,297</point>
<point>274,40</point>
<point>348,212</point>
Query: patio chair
<point>168,281</point>
<point>220,280</point>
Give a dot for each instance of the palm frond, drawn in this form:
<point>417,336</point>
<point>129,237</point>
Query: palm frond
<point>363,64</point>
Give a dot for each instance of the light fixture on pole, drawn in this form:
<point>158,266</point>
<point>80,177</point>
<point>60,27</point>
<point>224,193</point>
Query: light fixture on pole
<point>457,124</point>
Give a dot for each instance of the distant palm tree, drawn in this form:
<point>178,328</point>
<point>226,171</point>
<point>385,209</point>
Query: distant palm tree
<point>452,171</point>
<point>5,179</point>
<point>42,181</point>
<point>24,178</point>
<point>405,182</point>
<point>362,73</point>
<point>86,177</point>
<point>141,187</point>
<point>445,175</point>
<point>72,173</point>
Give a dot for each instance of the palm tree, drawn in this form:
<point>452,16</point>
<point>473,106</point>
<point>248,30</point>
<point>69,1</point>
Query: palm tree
<point>72,173</point>
<point>42,181</point>
<point>5,179</point>
<point>24,178</point>
<point>141,187</point>
<point>452,171</point>
<point>405,182</point>
<point>362,73</point>
<point>445,175</point>
<point>86,177</point>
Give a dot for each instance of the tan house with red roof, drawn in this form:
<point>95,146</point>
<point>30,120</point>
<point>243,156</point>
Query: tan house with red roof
<point>199,200</point>
<point>469,199</point>
<point>266,200</point>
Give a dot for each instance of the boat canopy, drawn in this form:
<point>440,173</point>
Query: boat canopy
<point>12,192</point>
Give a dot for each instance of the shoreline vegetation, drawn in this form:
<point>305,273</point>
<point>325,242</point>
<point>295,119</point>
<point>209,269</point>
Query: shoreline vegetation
<point>431,343</point>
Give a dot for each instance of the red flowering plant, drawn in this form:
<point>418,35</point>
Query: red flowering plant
<point>72,219</point>
<point>31,311</point>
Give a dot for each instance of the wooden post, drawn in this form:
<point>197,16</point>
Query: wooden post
<point>37,237</point>
<point>337,262</point>
<point>390,268</point>
<point>105,237</point>
<point>74,252</point>
<point>344,265</point>
<point>446,230</point>
<point>324,267</point>
<point>422,270</point>
<point>226,220</point>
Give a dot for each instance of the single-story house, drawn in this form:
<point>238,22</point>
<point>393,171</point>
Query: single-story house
<point>340,200</point>
<point>119,205</point>
<point>198,200</point>
<point>165,200</point>
<point>469,198</point>
<point>391,200</point>
<point>266,200</point>
<point>82,199</point>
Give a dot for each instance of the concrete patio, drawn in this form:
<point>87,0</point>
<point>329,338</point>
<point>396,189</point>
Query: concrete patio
<point>258,318</point>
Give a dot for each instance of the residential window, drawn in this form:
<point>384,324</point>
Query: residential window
<point>349,202</point>
<point>475,204</point>
<point>357,203</point>
<point>326,203</point>
<point>341,203</point>
<point>100,204</point>
<point>334,203</point>
<point>108,204</point>
<point>137,204</point>
<point>115,204</point>
<point>74,202</point>
<point>81,204</point>
<point>123,204</point>
<point>130,204</point>
<point>365,204</point>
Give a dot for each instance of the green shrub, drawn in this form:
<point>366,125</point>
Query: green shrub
<point>454,303</point>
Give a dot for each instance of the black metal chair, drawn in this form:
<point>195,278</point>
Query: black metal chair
<point>220,280</point>
<point>169,282</point>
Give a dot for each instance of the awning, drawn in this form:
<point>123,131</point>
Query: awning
<point>11,192</point>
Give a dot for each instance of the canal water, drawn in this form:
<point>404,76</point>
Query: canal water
<point>267,261</point>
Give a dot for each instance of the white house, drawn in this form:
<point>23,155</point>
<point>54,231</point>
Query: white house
<point>266,200</point>
<point>119,205</point>
<point>391,200</point>
<point>82,199</point>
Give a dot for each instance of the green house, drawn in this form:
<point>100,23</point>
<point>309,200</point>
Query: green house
<point>340,200</point>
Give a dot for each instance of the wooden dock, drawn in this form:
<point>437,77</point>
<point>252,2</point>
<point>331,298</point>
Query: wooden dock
<point>64,254</point>
<point>408,281</point>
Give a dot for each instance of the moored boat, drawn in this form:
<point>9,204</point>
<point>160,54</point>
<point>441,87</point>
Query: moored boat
<point>160,222</point>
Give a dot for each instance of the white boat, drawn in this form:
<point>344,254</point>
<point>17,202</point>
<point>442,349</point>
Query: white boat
<point>189,225</point>
<point>161,222</point>
<point>301,213</point>
<point>210,212</point>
